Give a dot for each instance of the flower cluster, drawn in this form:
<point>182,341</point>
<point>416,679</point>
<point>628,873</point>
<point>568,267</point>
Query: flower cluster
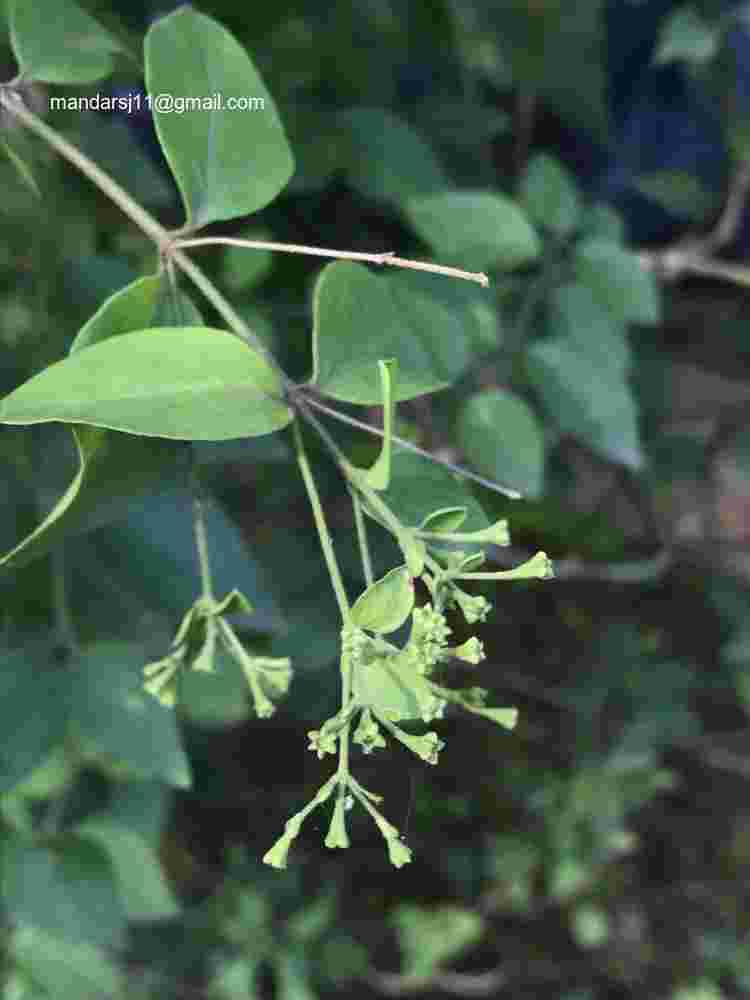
<point>194,648</point>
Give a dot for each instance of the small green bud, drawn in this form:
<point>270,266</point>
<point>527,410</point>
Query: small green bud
<point>539,567</point>
<point>474,608</point>
<point>161,679</point>
<point>204,661</point>
<point>426,747</point>
<point>471,651</point>
<point>322,741</point>
<point>275,672</point>
<point>398,853</point>
<point>276,856</point>
<point>337,835</point>
<point>367,734</point>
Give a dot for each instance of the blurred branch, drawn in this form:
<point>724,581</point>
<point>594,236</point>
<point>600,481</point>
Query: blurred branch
<point>695,254</point>
<point>463,984</point>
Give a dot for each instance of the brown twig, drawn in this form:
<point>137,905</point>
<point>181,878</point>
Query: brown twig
<point>696,254</point>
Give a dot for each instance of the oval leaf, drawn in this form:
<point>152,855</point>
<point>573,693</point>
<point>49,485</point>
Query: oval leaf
<point>587,398</point>
<point>386,604</point>
<point>482,229</point>
<point>550,196</point>
<point>227,161</point>
<point>361,318</point>
<point>190,383</point>
<point>379,686</point>
<point>617,280</point>
<point>66,888</point>
<point>60,43</point>
<point>116,719</point>
<point>502,438</point>
<point>445,520</point>
<point>387,159</point>
<point>32,690</point>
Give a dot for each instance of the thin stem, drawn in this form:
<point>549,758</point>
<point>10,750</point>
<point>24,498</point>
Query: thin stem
<point>201,538</point>
<point>459,470</point>
<point>63,617</point>
<point>387,257</point>
<point>12,102</point>
<point>320,523</point>
<point>364,549</point>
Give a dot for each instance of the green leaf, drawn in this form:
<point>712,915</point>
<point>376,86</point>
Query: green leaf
<point>419,486</point>
<point>578,317</point>
<point>150,301</point>
<point>386,604</point>
<point>444,520</point>
<point>149,559</point>
<point>141,884</point>
<point>66,888</point>
<point>115,719</point>
<point>481,230</point>
<point>618,281</point>
<point>379,474</point>
<point>113,470</point>
<point>64,969</point>
<point>227,162</point>
<point>357,322</point>
<point>686,37</point>
<point>679,193</point>
<point>61,43</point>
<point>390,693</point>
<point>586,398</point>
<point>429,938</point>
<point>550,195</point>
<point>603,221</point>
<point>431,325</point>
<point>174,382</point>
<point>33,689</point>
<point>502,438</point>
<point>293,979</point>
<point>386,159</point>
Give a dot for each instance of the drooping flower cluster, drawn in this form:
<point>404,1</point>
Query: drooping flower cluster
<point>194,648</point>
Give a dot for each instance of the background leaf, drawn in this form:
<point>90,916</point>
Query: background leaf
<point>37,690</point>
<point>587,399</point>
<point>482,230</point>
<point>502,438</point>
<point>114,717</point>
<point>550,195</point>
<point>387,159</point>
<point>65,888</point>
<point>618,281</point>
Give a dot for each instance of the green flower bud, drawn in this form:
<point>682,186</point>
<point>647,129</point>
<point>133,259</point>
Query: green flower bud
<point>474,608</point>
<point>276,856</point>
<point>161,679</point>
<point>398,853</point>
<point>322,741</point>
<point>367,733</point>
<point>471,651</point>
<point>426,747</point>
<point>337,835</point>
